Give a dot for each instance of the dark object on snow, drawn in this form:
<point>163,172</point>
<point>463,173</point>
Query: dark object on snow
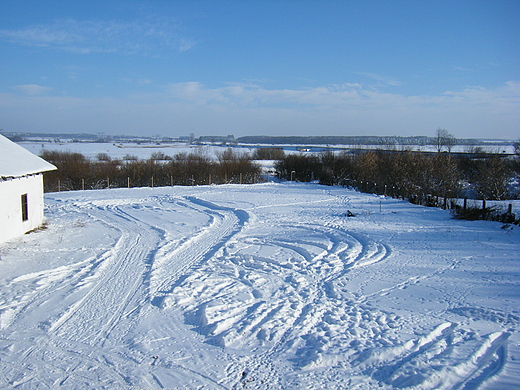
<point>350,214</point>
<point>493,213</point>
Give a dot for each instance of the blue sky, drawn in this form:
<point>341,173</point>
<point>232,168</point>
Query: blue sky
<point>349,67</point>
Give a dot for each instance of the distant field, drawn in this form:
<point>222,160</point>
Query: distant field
<point>144,151</point>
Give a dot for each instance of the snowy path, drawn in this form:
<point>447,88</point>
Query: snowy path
<point>171,263</point>
<point>265,286</point>
<point>109,293</point>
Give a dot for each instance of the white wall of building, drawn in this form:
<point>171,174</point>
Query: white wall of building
<point>11,190</point>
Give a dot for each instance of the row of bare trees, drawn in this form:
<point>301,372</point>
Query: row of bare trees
<point>76,172</point>
<point>407,174</point>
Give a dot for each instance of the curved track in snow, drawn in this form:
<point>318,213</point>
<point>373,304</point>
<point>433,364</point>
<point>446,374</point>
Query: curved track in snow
<point>109,292</point>
<point>261,287</point>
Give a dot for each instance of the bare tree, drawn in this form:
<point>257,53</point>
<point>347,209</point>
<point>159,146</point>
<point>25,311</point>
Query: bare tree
<point>516,147</point>
<point>367,166</point>
<point>445,176</point>
<point>493,179</point>
<point>444,140</point>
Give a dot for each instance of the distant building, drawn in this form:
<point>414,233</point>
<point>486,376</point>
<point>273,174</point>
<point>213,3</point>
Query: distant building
<point>21,189</point>
<point>209,139</point>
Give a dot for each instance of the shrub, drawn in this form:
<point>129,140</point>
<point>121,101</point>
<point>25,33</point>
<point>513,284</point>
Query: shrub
<point>493,213</point>
<point>76,172</point>
<point>268,154</point>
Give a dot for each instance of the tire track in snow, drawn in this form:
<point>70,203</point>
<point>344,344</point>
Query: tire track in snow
<point>73,334</point>
<point>49,285</point>
<point>282,294</point>
<point>279,299</point>
<point>409,282</point>
<point>172,266</point>
<point>228,311</point>
<point>353,251</point>
<point>138,252</point>
<point>118,285</point>
<point>409,365</point>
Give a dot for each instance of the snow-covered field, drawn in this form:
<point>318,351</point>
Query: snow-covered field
<point>145,151</point>
<point>267,286</point>
<point>119,150</point>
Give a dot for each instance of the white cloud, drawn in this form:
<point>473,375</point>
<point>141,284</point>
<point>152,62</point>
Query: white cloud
<point>128,37</point>
<point>242,109</point>
<point>137,81</point>
<point>186,44</point>
<point>462,68</point>
<point>31,89</point>
<point>382,80</point>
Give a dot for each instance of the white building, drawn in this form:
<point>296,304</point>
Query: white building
<point>21,189</point>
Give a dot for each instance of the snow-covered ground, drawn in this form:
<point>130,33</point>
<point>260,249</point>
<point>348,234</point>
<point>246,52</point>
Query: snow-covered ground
<point>144,151</point>
<point>268,286</point>
<point>119,150</point>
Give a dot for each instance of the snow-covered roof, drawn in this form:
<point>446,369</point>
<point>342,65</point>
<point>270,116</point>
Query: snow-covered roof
<point>17,161</point>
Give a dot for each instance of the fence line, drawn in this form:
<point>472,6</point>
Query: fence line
<point>481,209</point>
<point>120,182</point>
